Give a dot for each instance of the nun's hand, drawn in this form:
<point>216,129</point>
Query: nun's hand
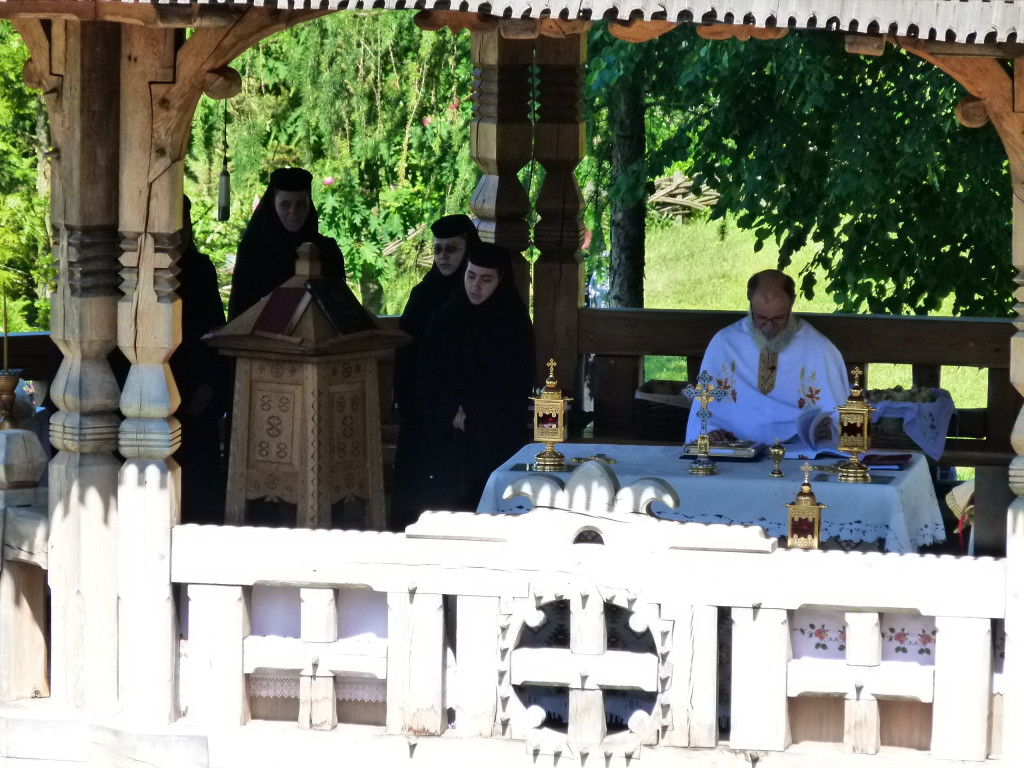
<point>459,422</point>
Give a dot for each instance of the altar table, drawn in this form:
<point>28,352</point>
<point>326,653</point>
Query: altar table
<point>898,507</point>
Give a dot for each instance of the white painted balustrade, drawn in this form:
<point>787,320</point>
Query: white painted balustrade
<point>500,583</point>
<point>669,579</point>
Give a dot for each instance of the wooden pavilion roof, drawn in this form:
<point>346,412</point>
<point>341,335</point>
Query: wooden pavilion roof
<point>961,21</point>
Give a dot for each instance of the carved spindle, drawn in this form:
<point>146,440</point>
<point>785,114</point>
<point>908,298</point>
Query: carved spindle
<point>73,62</point>
<point>560,135</point>
<point>500,141</point>
<point>149,329</point>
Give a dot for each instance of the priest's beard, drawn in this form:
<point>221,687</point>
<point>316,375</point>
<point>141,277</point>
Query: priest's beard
<point>777,341</point>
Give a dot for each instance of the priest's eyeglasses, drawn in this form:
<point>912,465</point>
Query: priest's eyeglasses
<point>777,321</point>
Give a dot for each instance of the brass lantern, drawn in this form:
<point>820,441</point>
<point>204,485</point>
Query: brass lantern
<point>804,530</point>
<point>549,423</point>
<point>855,433</point>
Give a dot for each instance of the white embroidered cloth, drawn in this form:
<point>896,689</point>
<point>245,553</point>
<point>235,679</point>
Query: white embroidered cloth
<point>925,423</point>
<point>811,376</point>
<point>900,508</point>
<point>821,634</point>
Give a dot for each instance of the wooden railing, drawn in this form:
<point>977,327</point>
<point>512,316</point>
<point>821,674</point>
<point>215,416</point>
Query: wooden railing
<point>511,580</point>
<point>620,338</point>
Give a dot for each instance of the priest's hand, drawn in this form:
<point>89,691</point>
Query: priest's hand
<point>721,436</point>
<point>459,422</point>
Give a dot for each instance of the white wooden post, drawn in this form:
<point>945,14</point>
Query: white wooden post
<point>861,726</point>
<point>588,636</point>
<point>693,690</point>
<point>318,621</point>
<point>477,644</point>
<point>415,663</point>
<point>1013,664</point>
<point>963,689</point>
<point>77,64</point>
<point>218,625</point>
<point>149,330</point>
<point>23,657</point>
<point>760,652</point>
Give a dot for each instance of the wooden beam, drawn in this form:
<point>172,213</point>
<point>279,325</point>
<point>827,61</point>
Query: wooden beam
<point>456,21</point>
<point>978,342</point>
<point>866,45</point>
<point>740,32</point>
<point>971,50</point>
<point>640,30</point>
<point>971,112</point>
<point>561,28</point>
<point>147,14</point>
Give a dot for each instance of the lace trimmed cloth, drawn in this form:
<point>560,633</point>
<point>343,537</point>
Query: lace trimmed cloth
<point>345,688</point>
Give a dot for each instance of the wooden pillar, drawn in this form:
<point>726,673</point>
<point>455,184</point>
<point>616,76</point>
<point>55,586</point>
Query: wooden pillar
<point>861,724</point>
<point>76,65</point>
<point>219,623</point>
<point>416,660</point>
<point>149,329</point>
<point>501,141</point>
<point>318,618</point>
<point>963,690</point>
<point>1001,95</point>
<point>477,642</point>
<point>560,134</point>
<point>760,653</point>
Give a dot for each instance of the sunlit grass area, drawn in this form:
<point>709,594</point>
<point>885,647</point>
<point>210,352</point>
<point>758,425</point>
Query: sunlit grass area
<point>705,265</point>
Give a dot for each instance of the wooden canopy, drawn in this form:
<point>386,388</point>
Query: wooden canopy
<point>121,83</point>
<point>963,21</point>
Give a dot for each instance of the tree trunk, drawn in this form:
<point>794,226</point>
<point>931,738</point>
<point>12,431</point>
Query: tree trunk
<point>627,111</point>
<point>372,293</point>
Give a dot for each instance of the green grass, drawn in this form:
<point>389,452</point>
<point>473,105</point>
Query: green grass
<point>705,265</point>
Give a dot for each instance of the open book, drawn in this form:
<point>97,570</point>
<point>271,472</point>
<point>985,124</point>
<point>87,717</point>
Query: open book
<point>805,444</point>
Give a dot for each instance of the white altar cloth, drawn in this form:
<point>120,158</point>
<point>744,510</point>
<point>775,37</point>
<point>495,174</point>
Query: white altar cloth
<point>902,510</point>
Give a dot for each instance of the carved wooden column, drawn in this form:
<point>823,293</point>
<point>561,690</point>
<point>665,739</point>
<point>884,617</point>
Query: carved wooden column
<point>500,141</point>
<point>149,329</point>
<point>76,66</point>
<point>162,76</point>
<point>998,95</point>
<point>560,133</point>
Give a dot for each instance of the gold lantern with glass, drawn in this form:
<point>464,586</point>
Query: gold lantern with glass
<point>549,423</point>
<point>855,433</point>
<point>804,531</point>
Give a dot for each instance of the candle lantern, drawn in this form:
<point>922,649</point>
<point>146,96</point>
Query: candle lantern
<point>804,530</point>
<point>549,423</point>
<point>855,433</point>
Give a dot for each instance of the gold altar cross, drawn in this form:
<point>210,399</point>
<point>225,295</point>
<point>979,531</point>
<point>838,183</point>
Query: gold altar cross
<point>704,393</point>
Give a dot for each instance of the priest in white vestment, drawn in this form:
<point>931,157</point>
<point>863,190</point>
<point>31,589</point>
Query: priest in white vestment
<point>775,370</point>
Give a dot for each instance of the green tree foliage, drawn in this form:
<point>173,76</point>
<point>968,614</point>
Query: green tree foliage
<point>862,158</point>
<point>26,264</point>
<point>377,110</point>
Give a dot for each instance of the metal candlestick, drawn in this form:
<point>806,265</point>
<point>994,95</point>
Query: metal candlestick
<point>777,452</point>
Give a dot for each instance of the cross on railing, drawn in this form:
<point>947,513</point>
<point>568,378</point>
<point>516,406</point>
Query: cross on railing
<point>586,668</point>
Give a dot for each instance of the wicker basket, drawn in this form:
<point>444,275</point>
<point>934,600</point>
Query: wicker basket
<point>888,433</point>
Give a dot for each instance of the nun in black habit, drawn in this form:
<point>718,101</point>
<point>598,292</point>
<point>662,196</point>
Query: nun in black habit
<point>475,377</point>
<point>284,219</point>
<point>453,236</point>
<point>201,376</point>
